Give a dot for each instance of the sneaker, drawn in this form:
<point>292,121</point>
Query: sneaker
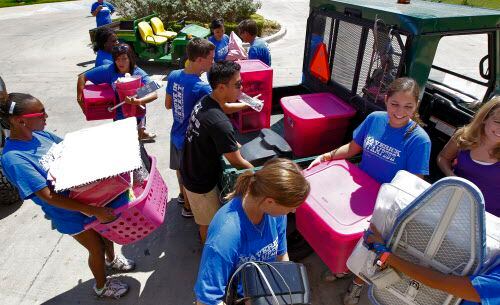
<point>180,199</point>
<point>121,263</point>
<point>353,294</point>
<point>186,213</point>
<point>112,289</point>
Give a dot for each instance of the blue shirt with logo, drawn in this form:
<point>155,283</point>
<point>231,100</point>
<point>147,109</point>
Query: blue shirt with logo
<point>260,50</point>
<point>221,48</point>
<point>185,90</point>
<point>103,58</point>
<point>386,150</point>
<point>233,240</point>
<point>107,74</point>
<point>104,15</point>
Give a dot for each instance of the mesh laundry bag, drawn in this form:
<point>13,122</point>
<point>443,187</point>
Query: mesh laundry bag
<point>444,229</point>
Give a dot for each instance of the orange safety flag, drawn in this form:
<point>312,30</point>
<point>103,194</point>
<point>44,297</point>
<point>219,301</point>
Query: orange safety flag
<point>319,67</point>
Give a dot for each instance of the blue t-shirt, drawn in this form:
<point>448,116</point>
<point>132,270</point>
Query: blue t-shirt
<point>487,285</point>
<point>387,150</point>
<point>104,15</point>
<point>221,49</point>
<point>21,165</point>
<point>260,50</point>
<point>185,90</point>
<point>103,58</point>
<point>107,74</point>
<point>233,240</point>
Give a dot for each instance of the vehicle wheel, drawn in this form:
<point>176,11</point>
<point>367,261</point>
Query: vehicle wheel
<point>8,193</point>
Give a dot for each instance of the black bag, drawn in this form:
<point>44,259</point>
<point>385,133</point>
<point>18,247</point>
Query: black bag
<point>256,291</point>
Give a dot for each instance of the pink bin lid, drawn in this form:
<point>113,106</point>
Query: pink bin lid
<point>251,65</point>
<point>342,195</point>
<point>317,105</point>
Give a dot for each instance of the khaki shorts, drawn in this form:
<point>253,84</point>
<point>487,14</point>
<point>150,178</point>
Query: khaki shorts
<point>204,206</point>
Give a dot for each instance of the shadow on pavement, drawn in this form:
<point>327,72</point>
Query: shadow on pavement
<point>83,293</point>
<point>172,254</point>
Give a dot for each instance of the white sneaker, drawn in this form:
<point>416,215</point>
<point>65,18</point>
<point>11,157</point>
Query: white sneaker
<point>121,263</point>
<point>353,294</point>
<point>112,289</point>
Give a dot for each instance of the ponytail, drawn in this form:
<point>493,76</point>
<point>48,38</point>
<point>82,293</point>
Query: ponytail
<point>279,179</point>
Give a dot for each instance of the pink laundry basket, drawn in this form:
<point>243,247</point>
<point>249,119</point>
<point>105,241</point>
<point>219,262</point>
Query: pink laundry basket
<point>138,218</point>
<point>130,89</point>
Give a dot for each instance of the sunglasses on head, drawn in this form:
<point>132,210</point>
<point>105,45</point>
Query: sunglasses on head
<point>120,48</point>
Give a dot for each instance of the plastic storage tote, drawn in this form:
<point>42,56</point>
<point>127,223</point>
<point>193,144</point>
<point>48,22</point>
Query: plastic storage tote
<point>130,88</point>
<point>257,78</point>
<point>96,101</point>
<point>138,218</point>
<point>337,210</point>
<point>315,123</point>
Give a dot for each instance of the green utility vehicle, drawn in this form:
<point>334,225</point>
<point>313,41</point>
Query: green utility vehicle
<point>452,51</point>
<point>151,42</point>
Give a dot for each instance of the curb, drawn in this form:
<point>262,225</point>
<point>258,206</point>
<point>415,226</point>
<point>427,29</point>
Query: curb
<point>270,39</point>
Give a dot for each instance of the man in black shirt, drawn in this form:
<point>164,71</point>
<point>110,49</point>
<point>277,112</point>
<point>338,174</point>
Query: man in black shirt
<point>210,136</point>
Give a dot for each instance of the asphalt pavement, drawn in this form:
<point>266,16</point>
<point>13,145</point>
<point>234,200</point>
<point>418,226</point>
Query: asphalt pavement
<point>43,49</point>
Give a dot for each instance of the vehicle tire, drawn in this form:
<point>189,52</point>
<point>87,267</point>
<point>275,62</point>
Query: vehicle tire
<point>8,193</point>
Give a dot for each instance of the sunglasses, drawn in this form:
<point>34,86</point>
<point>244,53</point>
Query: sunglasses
<point>238,84</point>
<point>120,48</point>
<point>33,115</point>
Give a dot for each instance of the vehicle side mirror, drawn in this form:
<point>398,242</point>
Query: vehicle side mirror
<point>484,67</point>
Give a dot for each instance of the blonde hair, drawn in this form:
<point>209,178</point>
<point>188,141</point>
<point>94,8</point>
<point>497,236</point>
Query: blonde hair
<point>470,136</point>
<point>279,179</point>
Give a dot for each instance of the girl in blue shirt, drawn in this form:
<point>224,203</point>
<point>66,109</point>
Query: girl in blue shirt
<point>219,39</point>
<point>250,227</point>
<point>24,148</point>
<point>123,62</point>
<point>388,141</point>
<point>105,40</point>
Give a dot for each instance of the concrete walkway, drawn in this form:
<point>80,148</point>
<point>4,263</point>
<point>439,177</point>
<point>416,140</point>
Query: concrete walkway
<point>43,49</point>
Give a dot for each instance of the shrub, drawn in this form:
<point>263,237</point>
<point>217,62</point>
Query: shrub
<point>200,10</point>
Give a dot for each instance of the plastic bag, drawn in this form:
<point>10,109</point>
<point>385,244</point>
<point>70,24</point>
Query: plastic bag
<point>235,48</point>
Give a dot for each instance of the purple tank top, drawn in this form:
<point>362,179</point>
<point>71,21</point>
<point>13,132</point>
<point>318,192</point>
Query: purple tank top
<point>486,177</point>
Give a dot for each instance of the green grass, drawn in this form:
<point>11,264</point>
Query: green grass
<point>7,3</point>
<point>494,4</point>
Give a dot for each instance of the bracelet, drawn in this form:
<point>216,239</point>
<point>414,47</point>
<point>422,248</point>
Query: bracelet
<point>380,248</point>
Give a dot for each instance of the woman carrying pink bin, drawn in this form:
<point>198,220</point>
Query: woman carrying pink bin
<point>123,63</point>
<point>27,144</point>
<point>388,141</point>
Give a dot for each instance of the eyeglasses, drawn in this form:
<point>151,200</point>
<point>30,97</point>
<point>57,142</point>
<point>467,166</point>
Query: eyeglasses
<point>33,115</point>
<point>120,48</point>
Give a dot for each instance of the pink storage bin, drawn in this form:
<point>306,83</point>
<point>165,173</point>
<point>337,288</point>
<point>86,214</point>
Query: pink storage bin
<point>257,78</point>
<point>130,110</point>
<point>96,101</point>
<point>337,211</point>
<point>102,192</point>
<point>138,218</point>
<point>315,123</point>
<point>249,120</point>
<point>135,83</point>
